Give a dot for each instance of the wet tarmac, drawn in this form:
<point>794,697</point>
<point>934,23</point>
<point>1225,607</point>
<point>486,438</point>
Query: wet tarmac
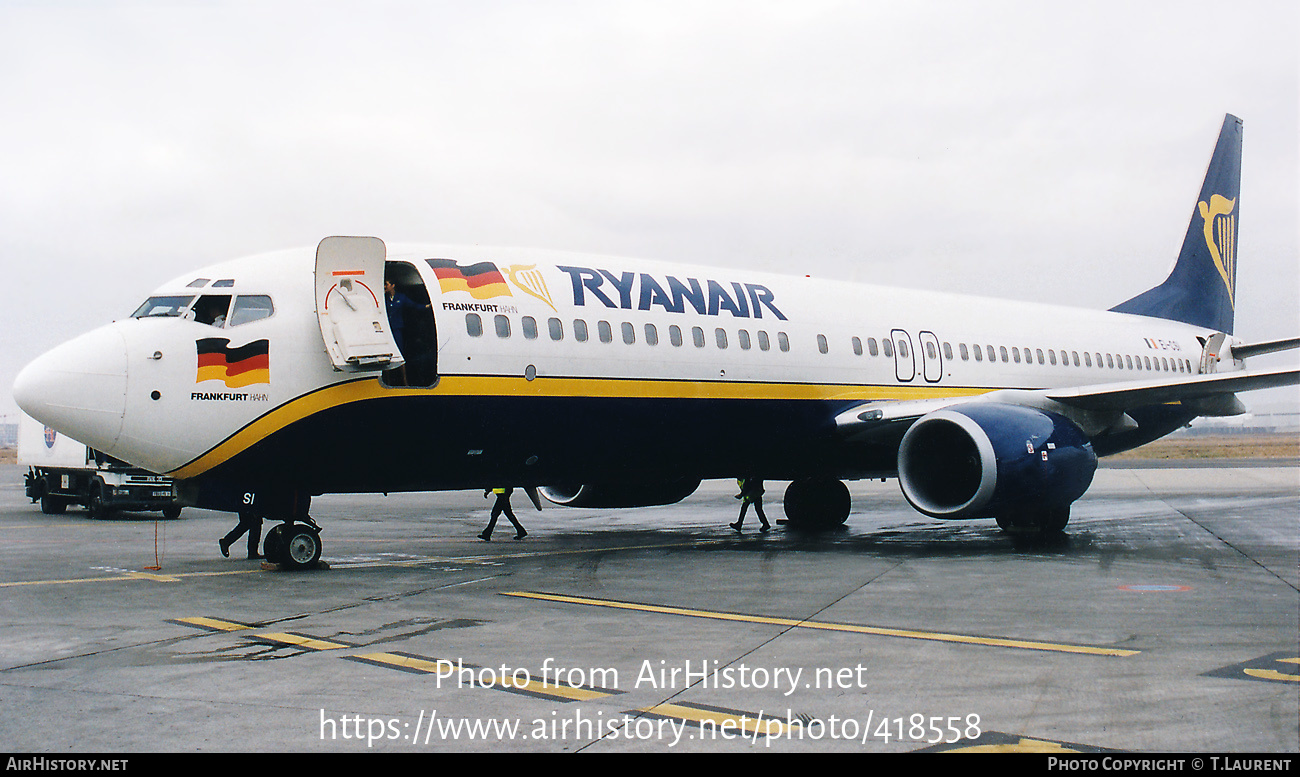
<point>1165,619</point>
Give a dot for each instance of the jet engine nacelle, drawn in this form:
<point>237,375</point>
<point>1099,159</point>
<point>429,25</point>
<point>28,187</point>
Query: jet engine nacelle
<point>986,459</point>
<point>630,494</point>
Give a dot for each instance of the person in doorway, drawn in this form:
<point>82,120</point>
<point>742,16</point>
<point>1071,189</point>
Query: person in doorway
<point>502,505</point>
<point>248,522</point>
<point>751,492</point>
<point>397,304</point>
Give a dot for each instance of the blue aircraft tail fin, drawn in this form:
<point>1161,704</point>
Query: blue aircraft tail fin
<point>1200,289</point>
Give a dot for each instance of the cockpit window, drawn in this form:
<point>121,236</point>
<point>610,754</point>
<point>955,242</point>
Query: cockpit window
<point>173,306</point>
<point>211,309</point>
<point>250,307</point>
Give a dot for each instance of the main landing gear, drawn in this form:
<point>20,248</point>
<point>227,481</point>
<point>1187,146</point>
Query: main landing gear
<point>817,504</point>
<point>294,544</point>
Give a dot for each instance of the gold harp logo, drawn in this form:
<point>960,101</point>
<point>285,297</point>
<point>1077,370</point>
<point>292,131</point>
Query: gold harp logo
<point>1221,237</point>
<point>529,279</point>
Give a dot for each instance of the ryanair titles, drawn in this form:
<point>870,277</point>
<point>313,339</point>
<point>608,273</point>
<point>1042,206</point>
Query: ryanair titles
<point>642,291</point>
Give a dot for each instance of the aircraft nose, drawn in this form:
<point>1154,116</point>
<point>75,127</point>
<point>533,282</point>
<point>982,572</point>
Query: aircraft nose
<point>79,388</point>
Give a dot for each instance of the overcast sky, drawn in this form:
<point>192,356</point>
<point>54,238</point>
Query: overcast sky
<point>1029,150</point>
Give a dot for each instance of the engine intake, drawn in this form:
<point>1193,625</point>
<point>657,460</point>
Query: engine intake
<point>630,494</point>
<point>984,459</point>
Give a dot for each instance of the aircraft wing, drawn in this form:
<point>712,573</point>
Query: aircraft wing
<point>1095,408</point>
<point>1123,396</point>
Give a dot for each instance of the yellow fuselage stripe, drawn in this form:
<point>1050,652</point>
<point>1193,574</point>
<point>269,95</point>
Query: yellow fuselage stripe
<point>487,386</point>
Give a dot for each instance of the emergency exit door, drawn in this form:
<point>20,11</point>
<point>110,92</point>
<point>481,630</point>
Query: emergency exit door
<point>904,355</point>
<point>931,357</point>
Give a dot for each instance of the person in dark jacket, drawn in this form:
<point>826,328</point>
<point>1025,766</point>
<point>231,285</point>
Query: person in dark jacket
<point>502,505</point>
<point>248,522</point>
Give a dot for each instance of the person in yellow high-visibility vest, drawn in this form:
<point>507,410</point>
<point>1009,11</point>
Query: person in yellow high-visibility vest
<point>502,505</point>
<point>751,492</point>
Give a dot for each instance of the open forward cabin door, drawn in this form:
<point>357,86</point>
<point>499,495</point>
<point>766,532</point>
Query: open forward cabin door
<point>350,304</point>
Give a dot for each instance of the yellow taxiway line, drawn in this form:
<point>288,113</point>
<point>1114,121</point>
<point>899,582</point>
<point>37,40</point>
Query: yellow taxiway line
<point>853,628</point>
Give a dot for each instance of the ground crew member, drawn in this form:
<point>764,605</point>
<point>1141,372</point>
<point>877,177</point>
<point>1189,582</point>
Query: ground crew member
<point>502,505</point>
<point>751,492</point>
<point>248,522</point>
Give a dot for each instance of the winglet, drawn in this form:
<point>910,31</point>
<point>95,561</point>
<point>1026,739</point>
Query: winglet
<point>1201,288</point>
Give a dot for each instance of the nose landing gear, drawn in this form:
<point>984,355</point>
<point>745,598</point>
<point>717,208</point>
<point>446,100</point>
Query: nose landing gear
<point>294,544</point>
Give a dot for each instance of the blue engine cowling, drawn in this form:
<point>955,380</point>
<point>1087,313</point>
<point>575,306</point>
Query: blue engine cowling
<point>986,459</point>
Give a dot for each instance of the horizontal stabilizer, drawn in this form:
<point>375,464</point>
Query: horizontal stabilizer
<point>1272,346</point>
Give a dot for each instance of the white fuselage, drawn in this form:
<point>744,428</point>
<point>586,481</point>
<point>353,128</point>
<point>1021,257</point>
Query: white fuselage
<point>654,331</point>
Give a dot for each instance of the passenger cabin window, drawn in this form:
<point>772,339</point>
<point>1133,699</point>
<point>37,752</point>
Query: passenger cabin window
<point>629,333</point>
<point>473,325</point>
<point>857,346</point>
<point>556,328</point>
<point>720,335</point>
<point>579,330</point>
<point>764,343</point>
<point>249,308</point>
<point>743,337</point>
<point>675,335</point>
<point>783,341</point>
<point>604,332</point>
<point>651,335</point>
<point>822,345</point>
<point>529,325</point>
<point>697,336</point>
<point>502,325</point>
<point>875,351</point>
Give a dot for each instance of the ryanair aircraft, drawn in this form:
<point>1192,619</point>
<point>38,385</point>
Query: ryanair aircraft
<point>611,382</point>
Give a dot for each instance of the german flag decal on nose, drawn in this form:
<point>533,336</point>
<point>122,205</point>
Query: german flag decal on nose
<point>241,366</point>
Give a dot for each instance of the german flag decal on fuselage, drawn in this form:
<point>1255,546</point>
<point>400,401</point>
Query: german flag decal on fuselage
<point>236,367</point>
<point>482,280</point>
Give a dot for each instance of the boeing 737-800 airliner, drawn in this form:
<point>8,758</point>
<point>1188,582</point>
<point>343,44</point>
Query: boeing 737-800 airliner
<point>615,382</point>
